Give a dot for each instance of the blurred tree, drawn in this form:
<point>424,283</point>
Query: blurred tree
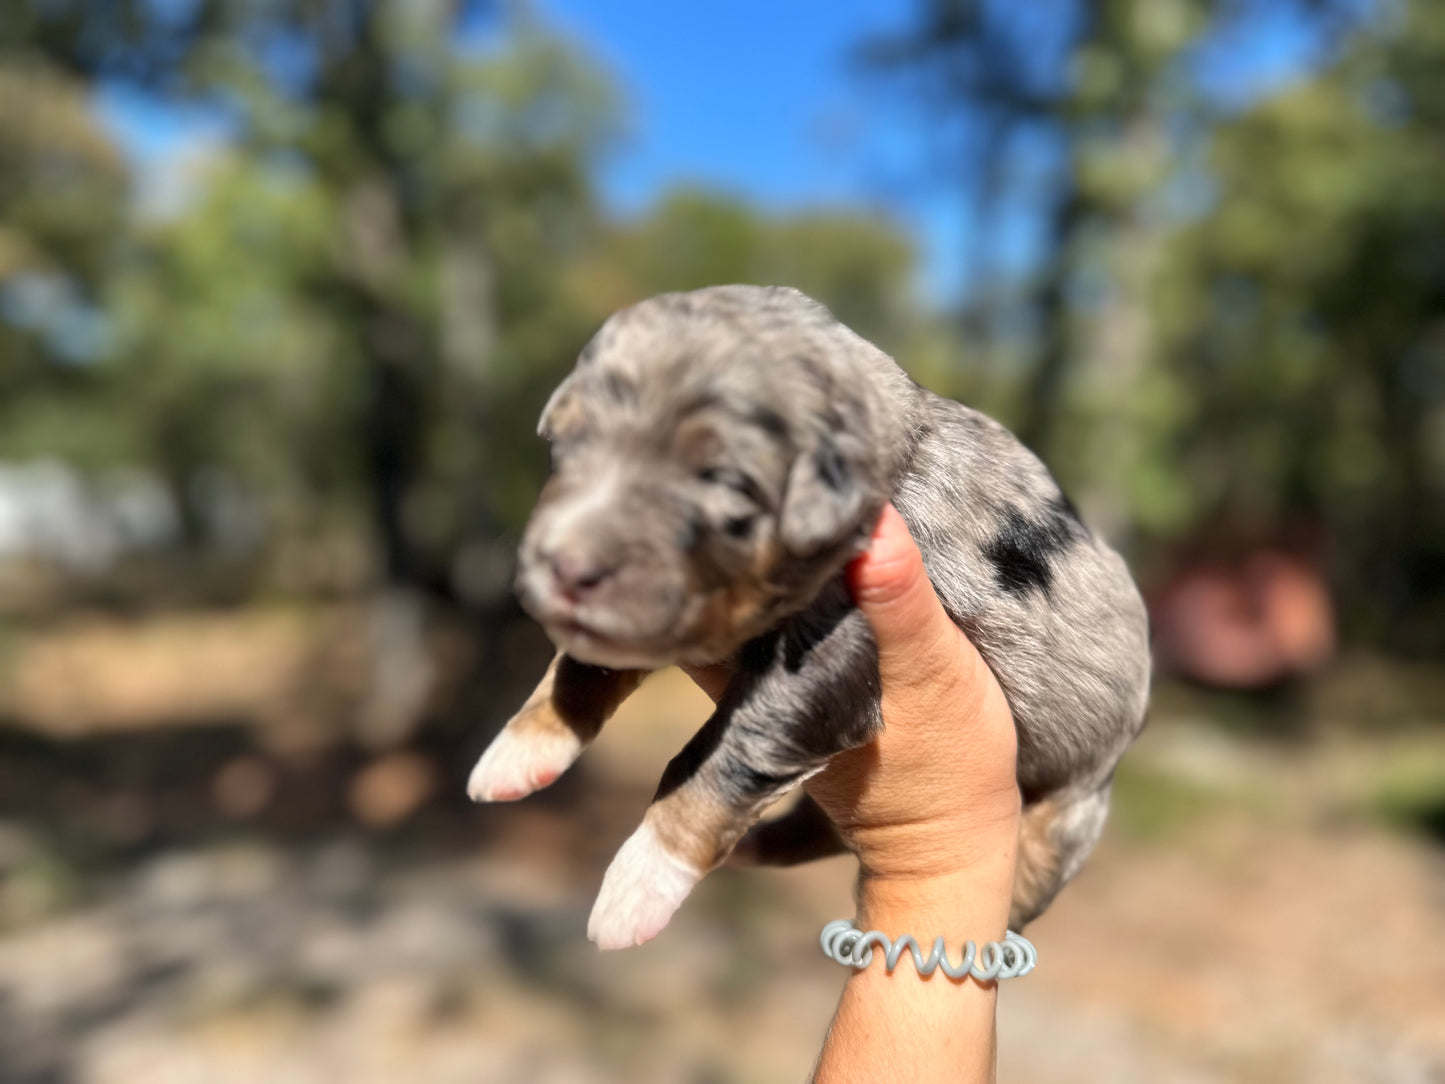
<point>354,307</point>
<point>367,283</point>
<point>380,274</point>
<point>858,265</point>
<point>1302,327</point>
<point>1231,326</point>
<point>1078,116</point>
<point>360,300</point>
<point>63,196</point>
<point>1076,89</point>
<point>370,269</point>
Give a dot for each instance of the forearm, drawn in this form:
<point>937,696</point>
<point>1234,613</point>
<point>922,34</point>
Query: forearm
<point>909,1027</point>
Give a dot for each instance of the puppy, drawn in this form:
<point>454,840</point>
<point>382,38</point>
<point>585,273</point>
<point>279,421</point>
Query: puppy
<point>718,458</point>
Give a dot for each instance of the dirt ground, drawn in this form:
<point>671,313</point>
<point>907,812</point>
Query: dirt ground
<point>1244,920</point>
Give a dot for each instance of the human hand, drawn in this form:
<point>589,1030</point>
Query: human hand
<point>932,809</point>
<point>933,801</point>
<point>936,793</point>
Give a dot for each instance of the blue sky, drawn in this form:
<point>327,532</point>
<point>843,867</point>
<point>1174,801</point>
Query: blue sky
<point>754,96</point>
<point>764,100</point>
<point>759,98</point>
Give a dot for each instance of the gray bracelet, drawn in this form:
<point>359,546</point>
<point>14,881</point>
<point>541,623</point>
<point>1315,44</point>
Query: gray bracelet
<point>1010,958</point>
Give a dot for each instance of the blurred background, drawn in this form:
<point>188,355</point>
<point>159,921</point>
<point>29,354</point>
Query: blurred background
<point>283,286</point>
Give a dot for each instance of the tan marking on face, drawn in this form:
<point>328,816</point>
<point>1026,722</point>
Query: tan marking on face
<point>743,608</point>
<point>696,441</point>
<point>756,594</point>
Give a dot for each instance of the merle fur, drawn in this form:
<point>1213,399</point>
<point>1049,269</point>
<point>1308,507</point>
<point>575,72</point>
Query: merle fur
<point>837,430</point>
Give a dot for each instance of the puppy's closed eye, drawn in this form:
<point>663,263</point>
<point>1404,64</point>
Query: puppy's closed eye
<point>739,502</point>
<point>732,479</point>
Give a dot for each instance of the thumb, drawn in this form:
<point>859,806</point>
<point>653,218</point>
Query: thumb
<point>917,642</point>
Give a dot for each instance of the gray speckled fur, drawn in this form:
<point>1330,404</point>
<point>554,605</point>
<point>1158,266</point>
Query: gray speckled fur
<point>828,429</point>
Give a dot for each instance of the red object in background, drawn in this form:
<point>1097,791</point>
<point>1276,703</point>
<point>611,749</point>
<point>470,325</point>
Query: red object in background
<point>1247,624</point>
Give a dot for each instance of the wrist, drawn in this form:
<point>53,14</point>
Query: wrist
<point>972,903</point>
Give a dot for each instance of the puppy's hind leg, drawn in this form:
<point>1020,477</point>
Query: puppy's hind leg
<point>1056,835</point>
<point>802,834</point>
<point>549,732</point>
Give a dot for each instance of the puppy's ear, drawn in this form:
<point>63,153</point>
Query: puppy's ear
<point>565,412</point>
<point>828,490</point>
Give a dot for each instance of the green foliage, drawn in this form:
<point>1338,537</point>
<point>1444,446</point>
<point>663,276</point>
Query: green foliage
<point>1300,323</point>
<point>1148,804</point>
<point>360,305</point>
<point>1410,792</point>
<point>1235,335</point>
<point>859,266</point>
<point>62,203</point>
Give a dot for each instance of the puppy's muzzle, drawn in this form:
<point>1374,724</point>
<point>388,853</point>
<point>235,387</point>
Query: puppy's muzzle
<point>574,574</point>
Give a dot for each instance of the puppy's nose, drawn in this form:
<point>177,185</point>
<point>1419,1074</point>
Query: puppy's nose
<point>576,574</point>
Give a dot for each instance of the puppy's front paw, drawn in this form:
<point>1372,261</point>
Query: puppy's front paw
<point>644,885</point>
<point>521,760</point>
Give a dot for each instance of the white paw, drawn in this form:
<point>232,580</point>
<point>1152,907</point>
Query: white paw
<point>643,887</point>
<point>517,763</point>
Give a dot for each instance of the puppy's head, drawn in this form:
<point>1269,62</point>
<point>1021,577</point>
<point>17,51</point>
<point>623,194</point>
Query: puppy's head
<point>716,457</point>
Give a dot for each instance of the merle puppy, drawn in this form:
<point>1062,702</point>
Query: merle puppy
<point>718,458</point>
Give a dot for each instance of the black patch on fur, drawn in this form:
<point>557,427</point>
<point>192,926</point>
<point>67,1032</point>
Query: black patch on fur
<point>1022,552</point>
<point>685,765</point>
<point>815,624</point>
<point>761,739</point>
<point>578,693</point>
<point>757,654</point>
<point>740,527</point>
<point>770,421</point>
<point>831,467</point>
<point>750,781</point>
<point>735,480</point>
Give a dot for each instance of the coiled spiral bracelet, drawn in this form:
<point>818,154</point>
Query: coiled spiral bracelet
<point>1010,958</point>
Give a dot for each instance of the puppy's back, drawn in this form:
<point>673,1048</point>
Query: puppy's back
<point>1051,608</point>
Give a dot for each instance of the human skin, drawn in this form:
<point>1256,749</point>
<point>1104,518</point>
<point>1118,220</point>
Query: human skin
<point>935,831</point>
